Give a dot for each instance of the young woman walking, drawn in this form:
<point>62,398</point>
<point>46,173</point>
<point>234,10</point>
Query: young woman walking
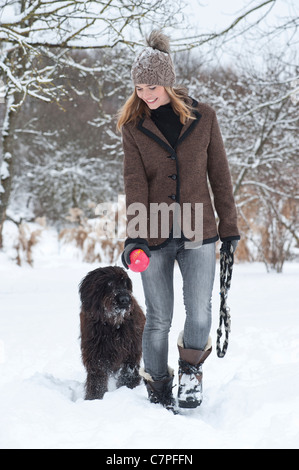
<point>173,151</point>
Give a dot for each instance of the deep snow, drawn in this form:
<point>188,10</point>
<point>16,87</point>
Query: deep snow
<point>251,397</point>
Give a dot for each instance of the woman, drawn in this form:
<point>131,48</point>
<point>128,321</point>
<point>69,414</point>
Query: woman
<point>172,147</point>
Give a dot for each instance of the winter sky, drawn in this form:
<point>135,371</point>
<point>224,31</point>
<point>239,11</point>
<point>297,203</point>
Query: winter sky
<point>207,16</point>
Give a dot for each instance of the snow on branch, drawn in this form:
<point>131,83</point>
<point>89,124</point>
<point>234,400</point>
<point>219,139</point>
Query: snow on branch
<point>8,18</point>
<point>267,104</point>
<point>271,190</point>
<point>30,30</point>
<point>82,24</point>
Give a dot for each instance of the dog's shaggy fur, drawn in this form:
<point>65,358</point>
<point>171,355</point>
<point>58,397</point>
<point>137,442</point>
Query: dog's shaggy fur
<point>112,324</point>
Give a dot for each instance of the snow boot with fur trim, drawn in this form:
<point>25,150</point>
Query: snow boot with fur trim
<point>160,391</point>
<point>190,374</point>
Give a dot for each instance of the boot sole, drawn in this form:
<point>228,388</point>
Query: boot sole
<point>189,404</point>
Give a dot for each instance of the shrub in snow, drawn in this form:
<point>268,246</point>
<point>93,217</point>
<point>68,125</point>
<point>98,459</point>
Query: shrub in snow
<point>89,237</point>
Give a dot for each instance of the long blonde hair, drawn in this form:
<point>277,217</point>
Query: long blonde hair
<point>135,108</point>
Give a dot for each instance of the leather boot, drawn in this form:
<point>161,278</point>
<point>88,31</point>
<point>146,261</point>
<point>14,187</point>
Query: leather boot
<point>190,374</point>
<point>160,391</point>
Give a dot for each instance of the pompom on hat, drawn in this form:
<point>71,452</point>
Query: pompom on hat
<point>154,66</point>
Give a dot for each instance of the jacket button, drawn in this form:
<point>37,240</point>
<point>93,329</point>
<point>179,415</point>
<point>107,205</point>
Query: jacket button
<point>173,197</point>
<point>172,156</point>
<point>173,177</point>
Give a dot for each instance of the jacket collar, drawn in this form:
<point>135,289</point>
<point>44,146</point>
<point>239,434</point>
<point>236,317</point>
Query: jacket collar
<point>149,128</point>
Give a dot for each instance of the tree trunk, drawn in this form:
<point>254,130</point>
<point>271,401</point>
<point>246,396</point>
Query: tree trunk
<point>6,169</point>
<point>17,62</point>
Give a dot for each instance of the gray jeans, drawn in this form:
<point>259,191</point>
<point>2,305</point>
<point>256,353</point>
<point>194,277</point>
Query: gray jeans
<point>197,267</point>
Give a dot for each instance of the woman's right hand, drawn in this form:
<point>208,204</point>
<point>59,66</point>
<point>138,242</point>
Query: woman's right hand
<point>132,244</point>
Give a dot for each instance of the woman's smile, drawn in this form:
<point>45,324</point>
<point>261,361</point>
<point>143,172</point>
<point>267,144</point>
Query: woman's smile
<point>153,95</point>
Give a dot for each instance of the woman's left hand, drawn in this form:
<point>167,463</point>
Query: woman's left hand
<point>227,244</point>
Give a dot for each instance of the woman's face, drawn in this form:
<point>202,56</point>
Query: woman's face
<point>153,95</point>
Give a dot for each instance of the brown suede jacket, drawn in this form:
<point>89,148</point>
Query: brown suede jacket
<point>156,173</point>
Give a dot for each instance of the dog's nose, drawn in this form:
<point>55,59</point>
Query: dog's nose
<point>123,299</point>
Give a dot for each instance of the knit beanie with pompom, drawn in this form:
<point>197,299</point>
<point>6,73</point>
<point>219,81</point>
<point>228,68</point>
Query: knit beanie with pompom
<point>154,66</point>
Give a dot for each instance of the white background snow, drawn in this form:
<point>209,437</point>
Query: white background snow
<point>251,397</point>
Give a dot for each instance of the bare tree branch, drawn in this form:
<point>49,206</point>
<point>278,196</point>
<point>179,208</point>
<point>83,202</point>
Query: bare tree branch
<point>191,42</point>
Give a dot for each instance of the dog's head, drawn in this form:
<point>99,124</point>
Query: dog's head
<point>106,295</point>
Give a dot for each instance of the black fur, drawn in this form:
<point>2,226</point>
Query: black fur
<point>112,324</point>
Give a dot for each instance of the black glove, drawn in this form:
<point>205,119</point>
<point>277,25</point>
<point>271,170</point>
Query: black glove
<point>132,244</point>
<point>225,247</point>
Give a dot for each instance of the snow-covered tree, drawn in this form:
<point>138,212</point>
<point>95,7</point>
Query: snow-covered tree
<point>39,44</point>
<point>259,120</point>
<point>72,156</point>
<point>36,37</point>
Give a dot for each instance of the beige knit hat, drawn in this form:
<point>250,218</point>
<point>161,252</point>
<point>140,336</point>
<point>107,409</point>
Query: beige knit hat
<point>154,66</point>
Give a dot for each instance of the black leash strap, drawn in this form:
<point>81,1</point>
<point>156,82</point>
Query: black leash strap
<point>226,271</point>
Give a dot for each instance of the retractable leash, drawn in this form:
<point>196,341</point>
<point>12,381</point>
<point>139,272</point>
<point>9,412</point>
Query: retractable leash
<point>226,271</point>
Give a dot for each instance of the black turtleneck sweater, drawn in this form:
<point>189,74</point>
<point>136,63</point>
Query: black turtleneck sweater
<point>168,122</point>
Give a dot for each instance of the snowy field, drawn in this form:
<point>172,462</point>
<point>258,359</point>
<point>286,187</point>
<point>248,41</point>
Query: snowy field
<point>251,397</point>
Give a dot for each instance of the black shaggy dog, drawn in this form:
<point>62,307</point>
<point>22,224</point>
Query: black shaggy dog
<point>111,330</point>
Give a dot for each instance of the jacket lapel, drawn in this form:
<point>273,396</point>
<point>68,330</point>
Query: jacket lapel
<point>149,128</point>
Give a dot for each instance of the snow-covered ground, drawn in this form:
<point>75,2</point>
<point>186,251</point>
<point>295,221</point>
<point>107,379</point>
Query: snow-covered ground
<point>251,397</point>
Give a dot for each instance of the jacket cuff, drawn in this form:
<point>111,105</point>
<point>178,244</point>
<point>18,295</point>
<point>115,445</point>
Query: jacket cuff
<point>140,241</point>
<point>230,238</point>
